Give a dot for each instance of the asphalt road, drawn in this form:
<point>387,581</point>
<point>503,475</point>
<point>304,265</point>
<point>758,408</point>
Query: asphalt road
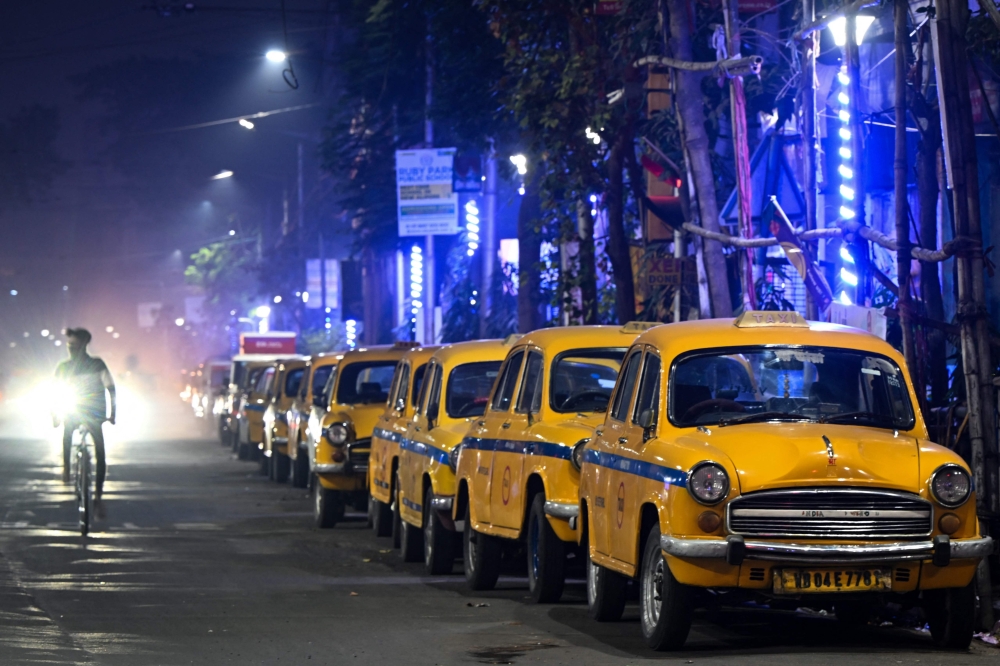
<point>201,561</point>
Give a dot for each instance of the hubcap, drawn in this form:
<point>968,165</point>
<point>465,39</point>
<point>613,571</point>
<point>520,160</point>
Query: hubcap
<point>592,574</point>
<point>652,591</point>
<point>533,547</point>
<point>428,536</point>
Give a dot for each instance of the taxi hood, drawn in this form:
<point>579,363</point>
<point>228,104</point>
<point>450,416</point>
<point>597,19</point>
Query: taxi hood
<point>782,455</point>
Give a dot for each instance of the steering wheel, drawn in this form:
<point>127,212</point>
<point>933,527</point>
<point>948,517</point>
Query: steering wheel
<point>574,400</point>
<point>718,404</point>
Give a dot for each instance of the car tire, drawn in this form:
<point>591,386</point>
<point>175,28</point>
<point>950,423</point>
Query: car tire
<point>243,451</point>
<point>480,557</point>
<point>951,616</point>
<point>328,506</point>
<point>411,543</point>
<point>546,556</point>
<point>279,467</point>
<point>439,542</point>
<point>606,591</point>
<point>381,518</point>
<point>397,520</point>
<point>300,470</point>
<point>264,465</point>
<point>665,606</point>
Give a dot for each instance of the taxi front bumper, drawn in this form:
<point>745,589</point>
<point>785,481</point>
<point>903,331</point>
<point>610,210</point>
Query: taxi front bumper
<point>734,549</point>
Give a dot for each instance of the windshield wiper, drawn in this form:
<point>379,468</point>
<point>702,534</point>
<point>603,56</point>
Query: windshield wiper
<point>854,416</point>
<point>763,416</point>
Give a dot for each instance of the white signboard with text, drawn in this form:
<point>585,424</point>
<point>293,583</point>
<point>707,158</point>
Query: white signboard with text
<point>867,319</point>
<point>426,204</point>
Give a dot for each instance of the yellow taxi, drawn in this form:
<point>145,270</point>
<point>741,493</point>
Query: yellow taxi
<point>340,435</point>
<point>388,432</point>
<point>458,383</point>
<point>309,399</point>
<point>274,459</point>
<point>517,473</point>
<point>251,404</point>
<point>778,458</point>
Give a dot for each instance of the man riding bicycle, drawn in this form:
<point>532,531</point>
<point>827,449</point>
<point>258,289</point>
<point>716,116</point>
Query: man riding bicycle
<point>87,378</point>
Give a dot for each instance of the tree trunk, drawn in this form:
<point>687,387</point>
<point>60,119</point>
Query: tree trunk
<point>529,242</point>
<point>587,262</point>
<point>618,247</point>
<point>376,277</point>
<point>903,257</point>
<point>691,112</point>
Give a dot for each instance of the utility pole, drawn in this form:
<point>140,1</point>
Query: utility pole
<point>489,240</point>
<point>810,44</point>
<point>902,39</point>
<point>429,262</point>
<point>301,207</point>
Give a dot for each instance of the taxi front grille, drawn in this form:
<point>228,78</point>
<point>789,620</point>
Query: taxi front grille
<point>841,513</point>
<point>357,454</point>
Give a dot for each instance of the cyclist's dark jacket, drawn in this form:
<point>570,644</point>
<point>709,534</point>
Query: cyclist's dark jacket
<point>84,375</point>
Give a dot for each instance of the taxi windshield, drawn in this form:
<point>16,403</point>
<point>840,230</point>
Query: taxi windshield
<point>365,382</point>
<point>582,379</point>
<point>469,388</point>
<point>821,384</point>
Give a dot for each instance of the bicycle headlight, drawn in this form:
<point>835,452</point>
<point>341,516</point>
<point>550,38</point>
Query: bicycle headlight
<point>708,483</point>
<point>453,457</point>
<point>336,434</point>
<point>951,485</point>
<point>576,455</point>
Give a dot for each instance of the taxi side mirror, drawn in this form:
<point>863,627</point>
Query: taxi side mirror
<point>645,421</point>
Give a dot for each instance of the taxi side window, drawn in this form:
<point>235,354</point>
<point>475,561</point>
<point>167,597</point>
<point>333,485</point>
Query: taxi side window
<point>264,383</point>
<point>647,403</point>
<point>422,399</point>
<point>402,388</point>
<point>625,385</point>
<point>434,397</point>
<point>530,399</point>
<point>418,381</point>
<point>304,385</point>
<point>505,385</point>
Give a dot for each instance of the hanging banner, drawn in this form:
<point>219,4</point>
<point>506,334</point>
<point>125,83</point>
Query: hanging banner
<point>314,284</point>
<point>426,203</point>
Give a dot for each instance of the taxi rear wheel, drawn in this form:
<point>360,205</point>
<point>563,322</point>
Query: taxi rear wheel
<point>328,506</point>
<point>264,465</point>
<point>546,556</point>
<point>664,604</point>
<point>951,616</point>
<point>300,470</point>
<point>439,542</point>
<point>480,556</point>
<point>606,591</point>
<point>279,467</point>
<point>381,518</point>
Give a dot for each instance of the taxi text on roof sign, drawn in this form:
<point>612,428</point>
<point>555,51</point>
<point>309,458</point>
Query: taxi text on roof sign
<point>639,326</point>
<point>755,318</point>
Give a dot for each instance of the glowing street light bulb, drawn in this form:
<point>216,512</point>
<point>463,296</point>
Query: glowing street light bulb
<point>275,55</point>
<point>246,123</point>
<point>107,329</point>
<point>45,332</point>
<point>225,173</point>
<point>179,321</point>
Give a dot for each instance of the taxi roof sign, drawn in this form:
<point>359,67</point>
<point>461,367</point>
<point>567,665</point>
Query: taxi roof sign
<point>771,318</point>
<point>639,326</point>
<point>405,344</point>
<point>511,339</point>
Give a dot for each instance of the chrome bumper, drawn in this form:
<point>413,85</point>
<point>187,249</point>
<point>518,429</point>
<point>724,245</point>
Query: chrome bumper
<point>442,502</point>
<point>734,549</point>
<point>564,510</point>
<point>330,468</point>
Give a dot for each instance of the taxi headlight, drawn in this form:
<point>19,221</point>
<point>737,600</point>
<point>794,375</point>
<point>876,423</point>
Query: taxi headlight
<point>453,457</point>
<point>576,455</point>
<point>951,485</point>
<point>336,434</point>
<point>708,483</point>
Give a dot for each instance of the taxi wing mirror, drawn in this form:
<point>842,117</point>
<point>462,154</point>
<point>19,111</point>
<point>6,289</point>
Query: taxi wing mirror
<point>645,421</point>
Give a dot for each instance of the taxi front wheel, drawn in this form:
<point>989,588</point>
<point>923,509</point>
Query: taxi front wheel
<point>439,542</point>
<point>951,615</point>
<point>412,543</point>
<point>328,506</point>
<point>481,557</point>
<point>606,591</point>
<point>665,605</point>
<point>381,518</point>
<point>546,556</point>
<point>300,470</point>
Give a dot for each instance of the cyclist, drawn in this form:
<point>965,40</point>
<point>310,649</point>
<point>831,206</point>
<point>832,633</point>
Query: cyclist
<point>87,378</point>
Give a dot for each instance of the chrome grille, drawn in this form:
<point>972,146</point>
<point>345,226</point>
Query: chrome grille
<point>357,454</point>
<point>832,513</point>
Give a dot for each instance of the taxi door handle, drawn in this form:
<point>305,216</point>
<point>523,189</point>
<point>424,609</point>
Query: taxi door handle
<point>623,440</point>
<point>505,425</point>
<point>481,424</point>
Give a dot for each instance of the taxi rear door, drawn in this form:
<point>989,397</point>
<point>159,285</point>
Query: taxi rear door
<point>630,476</point>
<point>491,430</point>
<point>390,423</point>
<point>423,445</point>
<point>256,406</point>
<point>607,485</point>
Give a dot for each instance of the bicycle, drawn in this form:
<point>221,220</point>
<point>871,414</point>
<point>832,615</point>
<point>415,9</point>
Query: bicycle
<point>83,481</point>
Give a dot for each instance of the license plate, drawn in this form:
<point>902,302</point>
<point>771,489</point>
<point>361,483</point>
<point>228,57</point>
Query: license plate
<point>805,581</point>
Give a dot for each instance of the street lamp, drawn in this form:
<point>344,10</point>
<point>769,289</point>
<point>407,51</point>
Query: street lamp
<point>225,173</point>
<point>838,27</point>
<point>246,123</point>
<point>275,55</point>
<point>179,321</point>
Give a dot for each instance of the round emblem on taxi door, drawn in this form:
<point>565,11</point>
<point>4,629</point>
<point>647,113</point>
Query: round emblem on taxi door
<point>505,488</point>
<point>621,503</point>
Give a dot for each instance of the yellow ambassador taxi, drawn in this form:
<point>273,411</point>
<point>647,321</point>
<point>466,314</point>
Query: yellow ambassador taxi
<point>386,436</point>
<point>274,459</point>
<point>309,399</point>
<point>250,411</point>
<point>458,383</point>
<point>340,436</point>
<point>517,473</point>
<point>777,458</point>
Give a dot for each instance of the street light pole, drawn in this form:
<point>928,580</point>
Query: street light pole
<point>489,241</point>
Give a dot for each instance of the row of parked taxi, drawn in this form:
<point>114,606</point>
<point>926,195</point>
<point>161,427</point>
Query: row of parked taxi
<point>762,458</point>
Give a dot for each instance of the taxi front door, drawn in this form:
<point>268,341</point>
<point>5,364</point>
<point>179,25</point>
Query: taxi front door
<point>391,422</point>
<point>491,430</point>
<point>629,480</point>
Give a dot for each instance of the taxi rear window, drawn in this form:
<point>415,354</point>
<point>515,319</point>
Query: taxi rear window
<point>775,383</point>
<point>469,388</point>
<point>582,380</point>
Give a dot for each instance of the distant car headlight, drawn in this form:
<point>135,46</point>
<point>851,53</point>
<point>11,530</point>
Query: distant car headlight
<point>951,485</point>
<point>708,483</point>
<point>336,434</point>
<point>453,457</point>
<point>576,455</point>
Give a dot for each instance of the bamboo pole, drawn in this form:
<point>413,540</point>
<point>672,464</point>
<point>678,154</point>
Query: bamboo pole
<point>807,107</point>
<point>903,257</point>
